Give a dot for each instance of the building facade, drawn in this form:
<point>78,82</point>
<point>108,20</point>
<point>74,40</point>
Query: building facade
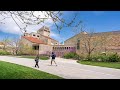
<point>41,41</point>
<point>61,50</point>
<point>99,42</point>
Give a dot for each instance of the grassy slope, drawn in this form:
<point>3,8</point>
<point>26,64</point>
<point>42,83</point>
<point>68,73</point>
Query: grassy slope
<point>13,71</point>
<point>103,64</point>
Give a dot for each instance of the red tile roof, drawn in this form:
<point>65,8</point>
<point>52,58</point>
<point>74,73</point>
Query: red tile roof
<point>34,40</point>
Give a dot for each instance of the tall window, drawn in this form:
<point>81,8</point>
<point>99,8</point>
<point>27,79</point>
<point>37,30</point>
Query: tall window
<point>78,44</point>
<point>36,47</point>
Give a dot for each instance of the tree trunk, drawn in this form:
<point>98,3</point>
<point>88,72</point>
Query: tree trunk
<point>89,53</point>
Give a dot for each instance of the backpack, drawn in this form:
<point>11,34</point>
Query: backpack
<point>37,59</point>
<point>53,56</point>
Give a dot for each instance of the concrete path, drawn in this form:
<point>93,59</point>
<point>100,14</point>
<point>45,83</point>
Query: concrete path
<point>68,69</point>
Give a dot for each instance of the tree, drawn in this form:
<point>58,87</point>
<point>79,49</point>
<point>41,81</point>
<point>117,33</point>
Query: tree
<point>26,50</point>
<point>14,45</point>
<point>87,41</point>
<point>104,37</point>
<point>5,42</point>
<point>35,18</point>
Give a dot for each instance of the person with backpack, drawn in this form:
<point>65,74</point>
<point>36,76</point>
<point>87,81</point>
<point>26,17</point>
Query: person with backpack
<point>53,58</point>
<point>37,60</point>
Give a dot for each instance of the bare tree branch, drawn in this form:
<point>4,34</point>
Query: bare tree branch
<point>29,18</point>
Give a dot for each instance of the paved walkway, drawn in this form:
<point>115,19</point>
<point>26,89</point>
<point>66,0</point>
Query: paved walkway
<point>68,69</point>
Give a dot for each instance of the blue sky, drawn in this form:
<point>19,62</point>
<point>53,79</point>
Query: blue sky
<point>100,21</point>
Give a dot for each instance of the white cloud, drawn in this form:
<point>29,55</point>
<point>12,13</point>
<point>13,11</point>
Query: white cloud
<point>57,36</point>
<point>11,27</point>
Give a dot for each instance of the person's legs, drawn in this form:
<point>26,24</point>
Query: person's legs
<point>51,61</point>
<point>55,62</point>
<point>37,64</point>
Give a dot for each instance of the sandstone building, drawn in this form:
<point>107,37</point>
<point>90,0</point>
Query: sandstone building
<point>40,41</point>
<point>101,42</point>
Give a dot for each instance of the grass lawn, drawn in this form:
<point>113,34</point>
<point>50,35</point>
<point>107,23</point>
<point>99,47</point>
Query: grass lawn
<point>102,64</point>
<point>14,71</point>
<point>33,57</point>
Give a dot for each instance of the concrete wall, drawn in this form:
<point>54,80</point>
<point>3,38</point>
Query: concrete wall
<point>43,39</point>
<point>26,42</point>
<point>43,49</point>
<point>44,31</point>
<point>54,42</point>
<point>61,50</point>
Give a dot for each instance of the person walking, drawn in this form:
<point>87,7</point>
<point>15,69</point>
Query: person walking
<point>53,58</point>
<point>37,60</point>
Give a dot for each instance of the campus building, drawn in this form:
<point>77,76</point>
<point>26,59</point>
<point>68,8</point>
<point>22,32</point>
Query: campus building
<point>99,42</point>
<point>42,43</point>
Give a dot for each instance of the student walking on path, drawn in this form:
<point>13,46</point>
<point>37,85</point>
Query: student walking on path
<point>53,58</point>
<point>37,60</point>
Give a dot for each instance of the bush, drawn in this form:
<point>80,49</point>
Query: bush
<point>104,58</point>
<point>114,58</point>
<point>44,56</point>
<point>71,55</point>
<point>5,53</point>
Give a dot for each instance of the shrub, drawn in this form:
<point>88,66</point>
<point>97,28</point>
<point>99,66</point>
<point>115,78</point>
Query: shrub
<point>114,58</point>
<point>104,58</point>
<point>71,55</point>
<point>44,56</point>
<point>5,53</point>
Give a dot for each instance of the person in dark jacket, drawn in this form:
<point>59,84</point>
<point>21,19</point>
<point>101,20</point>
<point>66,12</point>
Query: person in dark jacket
<point>37,60</point>
<point>53,58</point>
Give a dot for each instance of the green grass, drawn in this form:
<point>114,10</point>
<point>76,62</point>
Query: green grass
<point>14,71</point>
<point>102,64</point>
<point>33,57</point>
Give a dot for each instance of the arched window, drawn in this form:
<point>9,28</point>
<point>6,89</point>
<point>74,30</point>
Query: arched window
<point>60,48</point>
<point>37,35</point>
<point>33,34</point>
